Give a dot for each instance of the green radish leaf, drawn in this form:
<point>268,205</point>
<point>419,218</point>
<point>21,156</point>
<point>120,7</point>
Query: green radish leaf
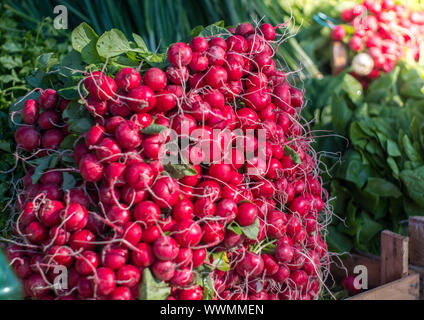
<point>140,42</point>
<point>153,289</point>
<point>294,156</point>
<point>217,30</point>
<point>220,261</point>
<point>235,227</point>
<point>179,171</point>
<point>196,31</point>
<point>5,146</point>
<point>252,231</point>
<point>82,36</point>
<point>80,126</point>
<point>68,181</point>
<point>41,164</point>
<point>153,129</point>
<point>68,142</point>
<point>112,43</point>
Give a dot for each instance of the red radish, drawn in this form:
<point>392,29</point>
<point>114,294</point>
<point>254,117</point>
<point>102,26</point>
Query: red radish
<point>268,31</point>
<point>128,79</point>
<point>184,257</point>
<point>100,86</point>
<point>114,258</point>
<point>218,42</point>
<point>143,256</point>
<point>48,99</point>
<point>284,253</point>
<point>52,139</point>
<point>216,56</point>
<point>182,277</point>
<point>199,63</point>
<point>35,232</point>
<point>30,111</point>
<point>117,215</point>
<point>49,213</point>
<point>103,281</point>
<point>75,217</point>
<point>28,138</point>
<point>183,210</point>
<point>91,169</point>
<point>147,212</point>
<point>251,265</point>
<point>199,256</point>
<point>108,150</point>
<point>178,75</point>
<point>131,196</point>
<point>119,107</point>
<point>155,78</point>
<point>132,232</point>
<point>59,236</point>
<point>204,207</point>
<point>257,99</point>
<point>213,232</point>
<point>282,274</point>
<point>55,177</point>
<point>96,107</point>
<point>187,233</point>
<point>139,176</point>
<point>244,29</point>
<point>95,135</point>
<point>165,248</point>
<point>128,135</point>
<point>153,146</point>
<point>151,234</point>
<point>338,33</point>
<point>165,192</point>
<point>79,151</point>
<point>141,99</point>
<point>227,208</point>
<point>87,263</point>
<point>128,275</point>
<point>163,270</point>
<point>199,44</point>
<point>121,293</point>
<point>237,43</point>
<point>216,76</point>
<point>179,54</point>
<point>36,286</point>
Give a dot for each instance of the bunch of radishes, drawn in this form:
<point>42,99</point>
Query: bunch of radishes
<point>236,217</point>
<point>385,30</point>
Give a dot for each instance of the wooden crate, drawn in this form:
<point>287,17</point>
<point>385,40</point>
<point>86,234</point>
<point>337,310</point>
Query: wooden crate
<point>389,276</point>
<point>416,236</point>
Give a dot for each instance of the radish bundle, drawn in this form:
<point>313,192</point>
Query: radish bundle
<point>193,179</point>
<point>381,32</point>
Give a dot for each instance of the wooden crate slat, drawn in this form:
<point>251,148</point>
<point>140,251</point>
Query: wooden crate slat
<point>394,256</point>
<point>370,261</point>
<point>416,236</point>
<point>406,288</point>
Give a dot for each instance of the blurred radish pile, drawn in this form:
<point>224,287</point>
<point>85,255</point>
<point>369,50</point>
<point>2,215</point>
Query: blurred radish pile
<point>382,32</point>
<point>236,217</point>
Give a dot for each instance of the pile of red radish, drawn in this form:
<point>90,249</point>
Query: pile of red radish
<point>386,30</point>
<point>255,205</point>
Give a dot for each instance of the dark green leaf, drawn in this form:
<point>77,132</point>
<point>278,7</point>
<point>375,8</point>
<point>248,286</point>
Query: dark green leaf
<point>82,36</point>
<point>220,261</point>
<point>383,187</point>
<point>294,156</point>
<point>68,181</point>
<point>153,129</point>
<point>179,171</point>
